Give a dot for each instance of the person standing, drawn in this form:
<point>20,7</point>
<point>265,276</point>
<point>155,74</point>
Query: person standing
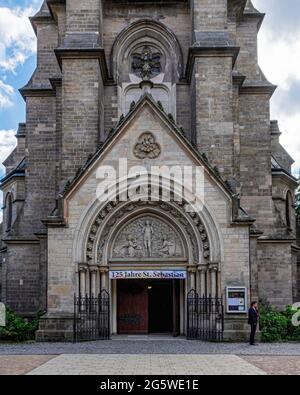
<point>253,321</point>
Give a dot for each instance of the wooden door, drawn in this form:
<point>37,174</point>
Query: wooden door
<point>132,307</point>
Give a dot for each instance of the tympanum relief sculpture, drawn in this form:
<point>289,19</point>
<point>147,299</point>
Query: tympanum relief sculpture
<point>147,238</point>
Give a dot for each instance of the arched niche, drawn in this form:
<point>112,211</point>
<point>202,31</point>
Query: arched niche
<point>146,32</point>
<point>166,63</point>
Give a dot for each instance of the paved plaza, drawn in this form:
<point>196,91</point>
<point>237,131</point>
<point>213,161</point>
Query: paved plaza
<point>149,355</point>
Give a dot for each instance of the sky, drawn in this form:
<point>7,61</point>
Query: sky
<point>279,58</point>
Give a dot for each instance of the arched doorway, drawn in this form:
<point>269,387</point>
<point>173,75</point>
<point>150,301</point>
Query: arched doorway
<point>180,254</point>
<point>147,267</point>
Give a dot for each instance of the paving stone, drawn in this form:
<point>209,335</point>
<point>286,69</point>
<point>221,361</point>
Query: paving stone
<point>21,364</point>
<point>147,364</point>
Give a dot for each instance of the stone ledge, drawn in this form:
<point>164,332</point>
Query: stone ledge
<point>54,336</point>
<point>56,328</point>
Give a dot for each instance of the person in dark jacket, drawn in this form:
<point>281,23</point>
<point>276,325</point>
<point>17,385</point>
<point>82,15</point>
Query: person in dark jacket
<point>253,321</point>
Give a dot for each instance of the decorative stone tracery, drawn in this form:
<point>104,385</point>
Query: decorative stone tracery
<point>147,147</point>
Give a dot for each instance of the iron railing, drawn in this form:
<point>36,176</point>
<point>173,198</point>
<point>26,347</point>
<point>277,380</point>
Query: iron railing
<point>205,317</point>
<point>92,317</point>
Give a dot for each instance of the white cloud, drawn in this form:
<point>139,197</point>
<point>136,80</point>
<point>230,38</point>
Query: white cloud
<point>6,93</point>
<point>18,41</point>
<point>8,142</point>
<point>279,58</point>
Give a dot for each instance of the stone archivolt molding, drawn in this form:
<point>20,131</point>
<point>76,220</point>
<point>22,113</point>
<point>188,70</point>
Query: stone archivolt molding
<point>110,215</point>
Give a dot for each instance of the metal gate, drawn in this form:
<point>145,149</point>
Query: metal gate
<point>205,318</point>
<point>92,317</point>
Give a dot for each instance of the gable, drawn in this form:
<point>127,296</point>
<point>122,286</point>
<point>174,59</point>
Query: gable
<point>144,127</point>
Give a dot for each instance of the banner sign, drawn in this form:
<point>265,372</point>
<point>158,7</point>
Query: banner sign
<point>147,274</point>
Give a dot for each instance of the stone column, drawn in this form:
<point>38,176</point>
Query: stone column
<point>93,271</point>
<point>104,283</point>
<point>202,269</point>
<point>82,280</point>
<point>192,277</point>
<point>213,270</point>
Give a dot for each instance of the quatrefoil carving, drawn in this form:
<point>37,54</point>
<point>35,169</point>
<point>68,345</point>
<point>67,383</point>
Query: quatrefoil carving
<point>147,147</point>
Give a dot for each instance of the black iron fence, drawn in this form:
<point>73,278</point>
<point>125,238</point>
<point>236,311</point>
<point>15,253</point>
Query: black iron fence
<point>92,317</point>
<point>205,318</point>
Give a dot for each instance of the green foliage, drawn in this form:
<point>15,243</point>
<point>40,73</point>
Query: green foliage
<point>18,328</point>
<point>276,326</point>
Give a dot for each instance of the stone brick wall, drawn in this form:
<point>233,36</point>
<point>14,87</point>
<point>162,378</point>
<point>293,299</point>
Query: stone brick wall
<point>209,15</point>
<point>246,39</point>
<point>255,159</point>
<point>47,66</point>
<point>22,285</point>
<point>111,112</point>
<point>275,273</point>
<point>83,16</point>
<point>81,116</point>
<point>41,163</point>
<point>214,110</point>
<point>183,109</point>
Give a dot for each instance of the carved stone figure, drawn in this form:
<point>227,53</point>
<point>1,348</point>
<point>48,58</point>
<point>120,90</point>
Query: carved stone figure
<point>147,238</point>
<point>147,230</point>
<point>130,246</point>
<point>168,248</point>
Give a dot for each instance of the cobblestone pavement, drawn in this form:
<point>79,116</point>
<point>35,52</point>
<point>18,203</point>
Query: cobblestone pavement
<point>150,364</point>
<point>145,346</point>
<point>149,355</point>
<point>21,364</point>
<point>276,365</point>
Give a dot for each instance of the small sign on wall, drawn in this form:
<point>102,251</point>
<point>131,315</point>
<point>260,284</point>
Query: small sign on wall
<point>236,298</point>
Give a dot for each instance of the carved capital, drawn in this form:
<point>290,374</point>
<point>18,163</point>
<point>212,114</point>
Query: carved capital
<point>214,267</point>
<point>82,268</point>
<point>103,270</point>
<point>202,268</point>
<point>94,269</point>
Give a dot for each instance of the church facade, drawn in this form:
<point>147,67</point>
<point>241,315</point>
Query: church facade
<point>124,90</point>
